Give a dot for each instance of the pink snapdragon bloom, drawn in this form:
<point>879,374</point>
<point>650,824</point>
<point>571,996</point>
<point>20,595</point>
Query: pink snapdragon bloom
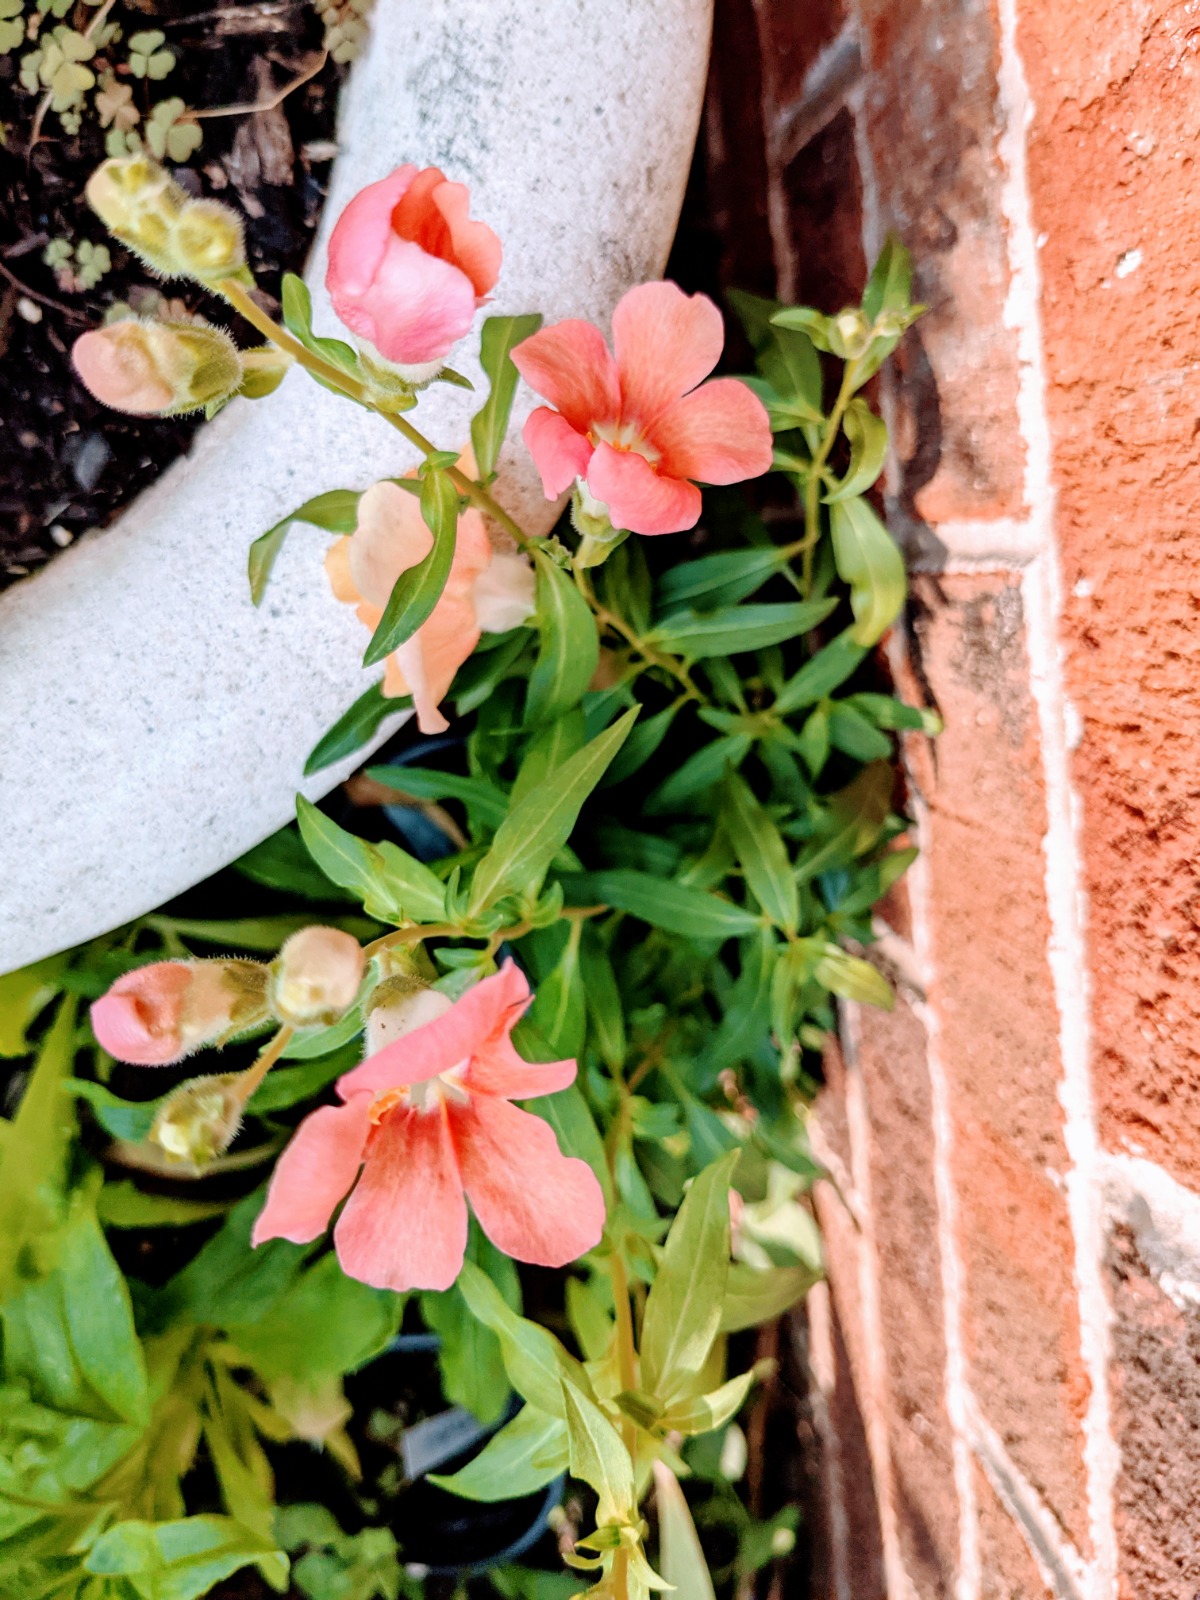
<point>157,1014</point>
<point>407,267</point>
<point>429,1121</point>
<point>636,430</point>
<point>488,591</point>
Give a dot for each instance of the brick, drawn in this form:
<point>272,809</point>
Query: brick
<point>999,1033</point>
<point>931,123</point>
<point>1156,1413</point>
<point>1111,165</point>
<point>1008,1570</point>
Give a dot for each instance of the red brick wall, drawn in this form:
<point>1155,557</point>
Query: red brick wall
<point>1006,1363</point>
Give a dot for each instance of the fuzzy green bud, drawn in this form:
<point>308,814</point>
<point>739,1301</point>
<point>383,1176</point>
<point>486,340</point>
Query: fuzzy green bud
<point>142,206</point>
<point>158,368</point>
<point>200,1119</point>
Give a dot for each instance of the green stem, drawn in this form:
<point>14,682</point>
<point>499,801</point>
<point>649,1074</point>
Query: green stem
<point>652,656</point>
<point>812,489</point>
<point>254,1075</point>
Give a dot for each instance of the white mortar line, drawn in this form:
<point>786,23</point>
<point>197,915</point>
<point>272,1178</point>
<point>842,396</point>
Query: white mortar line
<point>875,1407</point>
<point>823,1370</point>
<point>969,1579</point>
<point>1067,953</point>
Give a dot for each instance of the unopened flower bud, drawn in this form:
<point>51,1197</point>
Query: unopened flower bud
<point>316,977</point>
<point>200,1119</point>
<point>208,242</point>
<point>160,1013</point>
<point>849,334</point>
<point>141,205</point>
<point>400,1005</point>
<point>158,368</point>
<point>592,522</point>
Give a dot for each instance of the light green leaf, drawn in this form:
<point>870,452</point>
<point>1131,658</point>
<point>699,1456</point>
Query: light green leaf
<point>23,996</point>
<point>821,675</point>
<point>523,1457</point>
<point>323,1323</point>
<point>534,1359</point>
<point>851,733</point>
<point>606,1010</point>
<point>853,979</point>
<point>868,560</point>
<point>33,1167</point>
<point>426,783</point>
<point>889,287</point>
<point>336,511</point>
<point>355,727</point>
<point>100,1319</point>
<point>471,1359</point>
<point>569,645</point>
<point>702,771</point>
<point>183,1560</point>
<point>680,1558</point>
<point>537,828</point>
<point>754,1295</point>
<point>499,338</point>
<point>868,450</point>
<point>683,1309</point>
<point>553,744</point>
<point>390,882</point>
<point>856,818</point>
<point>599,1457</point>
<point>759,847</point>
<point>732,630</point>
<point>417,590</point>
<point>124,1119</point>
<point>662,902</point>
<point>885,711</point>
<point>708,1411</point>
<point>124,1205</point>
<point>730,575</point>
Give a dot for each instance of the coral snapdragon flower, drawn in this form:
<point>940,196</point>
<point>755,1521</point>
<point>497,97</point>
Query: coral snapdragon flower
<point>407,267</point>
<point>635,430</point>
<point>487,591</point>
<point>160,1013</point>
<point>428,1119</point>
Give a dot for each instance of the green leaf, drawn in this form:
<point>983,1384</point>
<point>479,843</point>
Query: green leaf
<point>124,1119</point>
<point>287,1086</point>
<point>732,630</point>
<point>536,829</point>
<point>390,882</point>
<point>787,358</point>
<point>297,318</point>
<point>533,1358</point>
<point>705,1412</point>
<point>559,1010</point>
<point>853,979</point>
<point>851,733</point>
<point>323,1323</point>
<point>336,511</point>
<point>417,590</point>
<point>569,650</point>
<point>599,1457</point>
<point>282,862</point>
<point>185,1559</point>
<point>754,1295</point>
<point>868,450</point>
<point>471,1360</point>
<point>683,1309</point>
<point>822,674</point>
<point>759,847</point>
<point>803,319</point>
<point>553,744</point>
<point>856,818</point>
<point>523,1457</point>
<point>730,575</point>
<point>663,903</point>
<point>605,1007</point>
<point>499,338</point>
<point>680,1558</point>
<point>100,1319</point>
<point>33,1157</point>
<point>889,288</point>
<point>355,727</point>
<point>124,1205</point>
<point>868,560</point>
<point>885,711</point>
<point>642,744</point>
<point>23,996</point>
<point>426,783</point>
<point>702,771</point>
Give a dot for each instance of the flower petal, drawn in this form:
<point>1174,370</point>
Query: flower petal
<point>637,497</point>
<point>390,537</point>
<point>360,238</point>
<point>560,453</point>
<point>473,245</point>
<point>139,1019</point>
<point>720,433</point>
<point>569,365</point>
<point>337,570</point>
<point>491,1008</point>
<point>504,593</point>
<point>497,1069</point>
<point>405,1225</point>
<point>315,1172</point>
<point>666,342</point>
<point>430,659</point>
<point>416,307</point>
<point>533,1202</point>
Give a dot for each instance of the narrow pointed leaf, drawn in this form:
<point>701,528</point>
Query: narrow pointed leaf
<point>391,883</point>
<point>759,847</point>
<point>663,903</point>
<point>528,1453</point>
<point>569,645</point>
<point>490,423</point>
<point>731,630</point>
<point>336,511</point>
<point>869,561</point>
<point>418,590</point>
<point>868,451</point>
<point>599,1457</point>
<point>680,1557</point>
<point>355,727</point>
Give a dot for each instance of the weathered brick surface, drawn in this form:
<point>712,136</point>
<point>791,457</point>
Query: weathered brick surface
<point>931,123</point>
<point>1156,1403</point>
<point>1007,1568</point>
<point>1112,168</point>
<point>999,1039</point>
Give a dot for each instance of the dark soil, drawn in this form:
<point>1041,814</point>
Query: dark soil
<point>66,463</point>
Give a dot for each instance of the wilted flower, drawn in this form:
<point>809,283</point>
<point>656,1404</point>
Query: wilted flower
<point>158,368</point>
<point>316,976</point>
<point>487,591</point>
<point>429,1121</point>
<point>407,267</point>
<point>157,1014</point>
<point>634,431</point>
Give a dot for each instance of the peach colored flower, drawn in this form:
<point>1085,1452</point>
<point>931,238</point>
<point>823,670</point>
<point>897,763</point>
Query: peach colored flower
<point>635,430</point>
<point>487,591</point>
<point>429,1121</point>
<point>157,368</point>
<point>157,1014</point>
<point>407,267</point>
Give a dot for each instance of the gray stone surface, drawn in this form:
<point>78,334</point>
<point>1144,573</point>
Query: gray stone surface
<point>153,725</point>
